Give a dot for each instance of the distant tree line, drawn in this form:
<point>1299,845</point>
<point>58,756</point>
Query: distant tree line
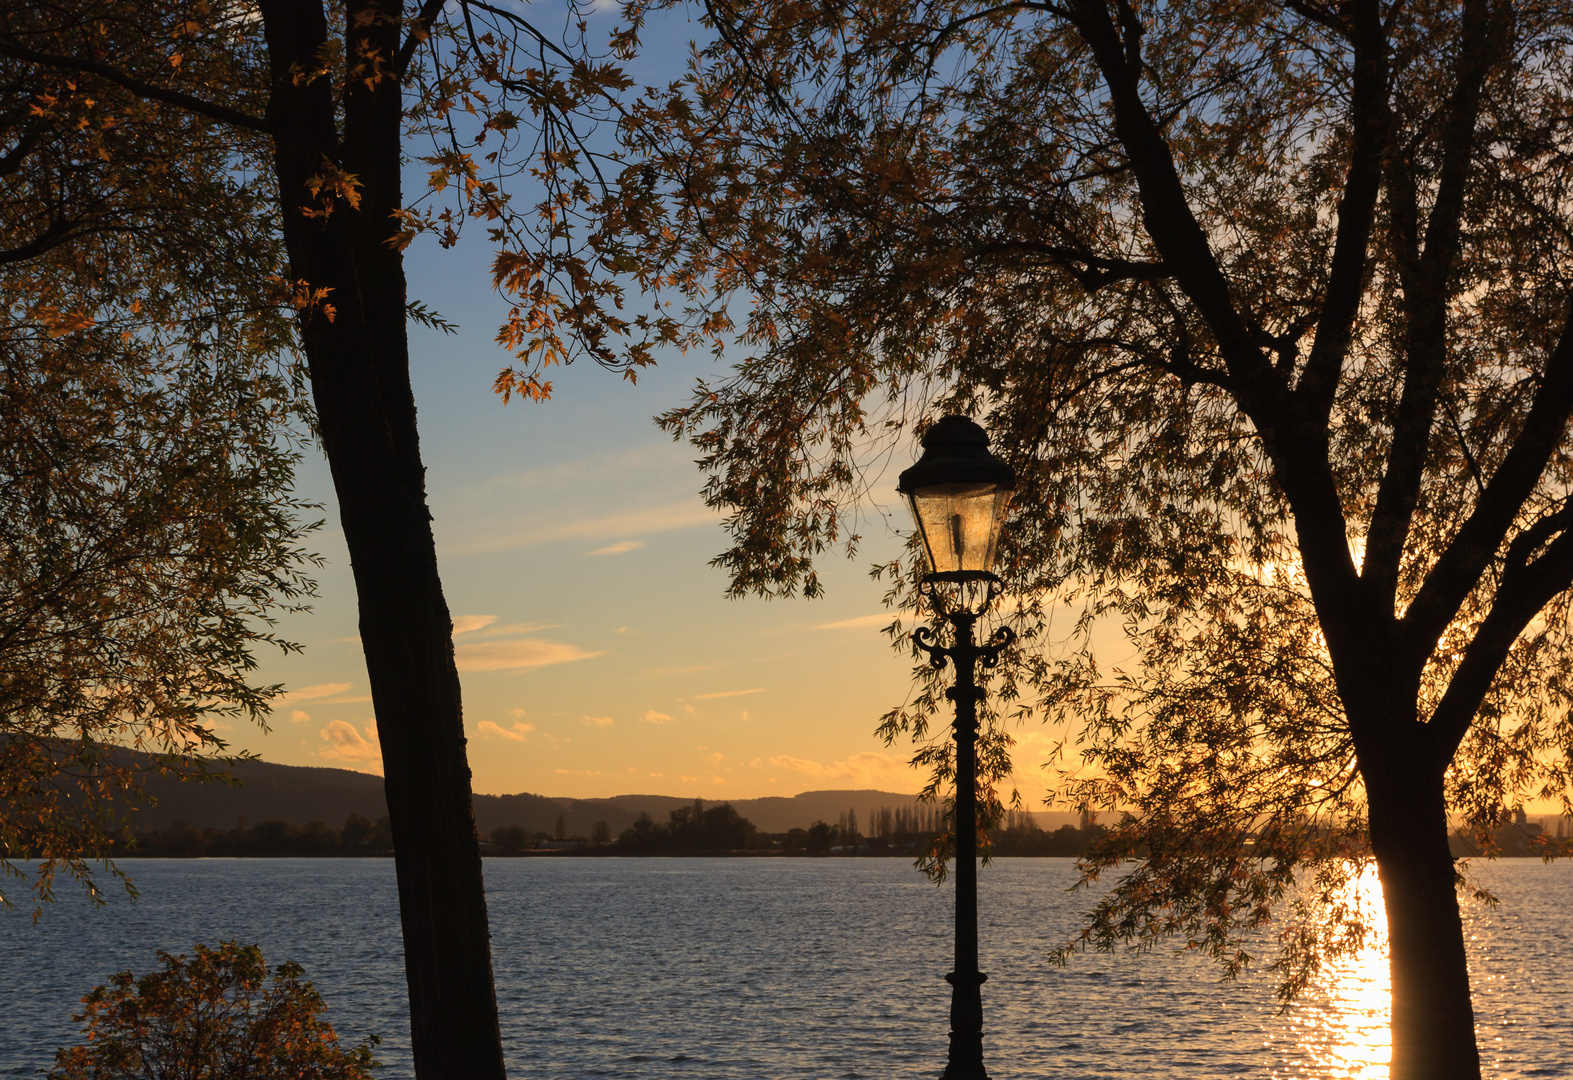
<point>716,828</point>
<point>181,839</point>
<point>516,839</point>
<point>910,830</point>
<point>694,828</point>
<point>1020,834</point>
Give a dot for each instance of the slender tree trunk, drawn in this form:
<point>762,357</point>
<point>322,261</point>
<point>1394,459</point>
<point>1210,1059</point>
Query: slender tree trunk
<point>1433,1026</point>
<point>359,364</point>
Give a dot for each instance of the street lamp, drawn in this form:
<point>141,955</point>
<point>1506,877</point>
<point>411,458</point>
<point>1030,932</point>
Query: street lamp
<point>959,493</point>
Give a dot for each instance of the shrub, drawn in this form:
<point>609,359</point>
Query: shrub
<point>211,1017</point>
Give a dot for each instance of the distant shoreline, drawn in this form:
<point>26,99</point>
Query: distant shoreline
<point>128,857</point>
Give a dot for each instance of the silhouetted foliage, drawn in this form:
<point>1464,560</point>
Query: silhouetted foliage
<point>150,417</point>
<point>1021,835</point>
<point>515,838</point>
<point>693,828</point>
<point>1271,306</point>
<point>321,98</point>
<point>359,836</point>
<point>216,1016</point>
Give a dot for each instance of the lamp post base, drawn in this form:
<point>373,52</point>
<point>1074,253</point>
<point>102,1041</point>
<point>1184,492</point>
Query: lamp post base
<point>965,1060</point>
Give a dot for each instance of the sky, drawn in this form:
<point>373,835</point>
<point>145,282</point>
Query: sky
<point>598,653</point>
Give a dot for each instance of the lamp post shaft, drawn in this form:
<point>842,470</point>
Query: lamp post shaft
<point>966,999</point>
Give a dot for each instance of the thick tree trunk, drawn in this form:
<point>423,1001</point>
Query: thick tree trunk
<point>1433,1026</point>
<point>359,366</point>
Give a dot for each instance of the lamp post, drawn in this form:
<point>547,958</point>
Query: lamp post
<point>959,493</point>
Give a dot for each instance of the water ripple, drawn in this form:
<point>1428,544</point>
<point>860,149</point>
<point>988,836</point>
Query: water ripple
<point>786,969</point>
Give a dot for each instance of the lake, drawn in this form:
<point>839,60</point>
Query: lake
<point>780,969</point>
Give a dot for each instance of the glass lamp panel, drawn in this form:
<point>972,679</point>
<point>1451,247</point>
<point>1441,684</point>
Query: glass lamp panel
<point>960,524</point>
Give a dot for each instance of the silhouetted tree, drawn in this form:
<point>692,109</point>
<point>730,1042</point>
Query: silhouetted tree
<point>1271,305</point>
<point>356,832</point>
<point>218,1015</point>
<point>693,828</point>
<point>320,97</point>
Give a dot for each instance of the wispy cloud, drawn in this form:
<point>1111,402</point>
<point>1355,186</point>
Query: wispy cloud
<point>622,547</point>
<point>861,622</point>
<point>597,721</point>
<point>470,624</point>
<point>520,628</point>
<point>520,653</point>
<point>298,717</point>
<point>682,514</point>
<point>348,745</point>
<point>657,717</point>
<point>319,692</point>
<point>739,662</point>
<point>728,693</point>
<point>516,733</point>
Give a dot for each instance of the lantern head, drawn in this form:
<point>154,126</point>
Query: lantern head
<point>959,494</point>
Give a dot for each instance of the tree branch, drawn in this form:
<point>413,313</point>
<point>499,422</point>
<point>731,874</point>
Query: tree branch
<point>1426,296</point>
<point>1167,214</point>
<point>1458,569</point>
<point>1319,15</point>
<point>1296,444</point>
<point>1526,588</point>
<point>221,113</point>
<point>58,232</point>
<point>1092,271</point>
<point>11,162</point>
<point>418,33</point>
<point>1356,214</point>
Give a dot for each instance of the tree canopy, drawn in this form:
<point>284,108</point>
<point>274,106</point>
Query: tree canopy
<point>315,102</point>
<point>1268,303</point>
<point>217,1014</point>
<point>149,418</point>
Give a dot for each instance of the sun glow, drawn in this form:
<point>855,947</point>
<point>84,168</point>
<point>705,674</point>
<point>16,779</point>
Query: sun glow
<point>1343,1023</point>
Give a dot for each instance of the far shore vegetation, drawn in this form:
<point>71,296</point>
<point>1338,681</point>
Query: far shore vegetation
<point>689,830</point>
<point>715,830</point>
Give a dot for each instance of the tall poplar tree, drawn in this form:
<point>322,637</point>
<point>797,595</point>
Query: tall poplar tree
<point>1269,303</point>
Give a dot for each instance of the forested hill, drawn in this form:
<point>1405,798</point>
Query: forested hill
<point>298,794</point>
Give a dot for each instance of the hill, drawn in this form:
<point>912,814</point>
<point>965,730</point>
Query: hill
<point>302,794</point>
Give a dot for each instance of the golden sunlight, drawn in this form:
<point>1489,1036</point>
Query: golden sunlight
<point>1342,1023</point>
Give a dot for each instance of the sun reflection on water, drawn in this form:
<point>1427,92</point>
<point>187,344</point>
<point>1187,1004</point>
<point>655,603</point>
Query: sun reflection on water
<point>1341,1025</point>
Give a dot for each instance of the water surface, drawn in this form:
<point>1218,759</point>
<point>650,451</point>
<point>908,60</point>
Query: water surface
<point>785,969</point>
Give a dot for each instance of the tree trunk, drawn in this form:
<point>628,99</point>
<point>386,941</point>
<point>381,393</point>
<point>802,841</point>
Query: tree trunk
<point>359,364</point>
<point>1433,1027</point>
